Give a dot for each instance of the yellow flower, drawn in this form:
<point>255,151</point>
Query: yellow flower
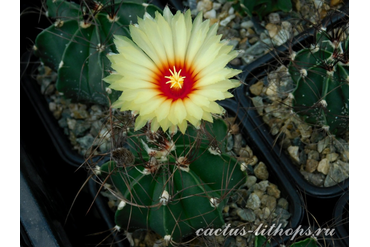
<point>172,71</point>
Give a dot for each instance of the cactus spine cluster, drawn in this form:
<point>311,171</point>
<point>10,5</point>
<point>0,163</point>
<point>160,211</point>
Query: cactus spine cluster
<point>321,76</point>
<point>173,184</point>
<point>77,43</point>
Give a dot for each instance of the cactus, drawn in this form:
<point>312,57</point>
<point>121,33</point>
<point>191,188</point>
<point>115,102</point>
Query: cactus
<point>261,7</point>
<point>321,76</point>
<point>173,184</point>
<point>76,44</point>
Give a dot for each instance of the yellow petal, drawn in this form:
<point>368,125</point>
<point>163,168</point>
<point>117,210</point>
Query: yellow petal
<point>194,121</point>
<point>163,110</point>
<point>150,28</point>
<point>217,64</point>
<point>193,109</point>
<point>131,83</point>
<point>182,126</point>
<point>167,14</point>
<point>142,40</point>
<point>180,110</point>
<point>172,115</point>
<point>151,105</point>
<point>165,31</point>
<point>140,122</point>
<point>198,100</point>
<point>180,37</point>
<point>211,94</point>
<point>112,78</point>
<point>207,116</point>
<point>154,125</point>
<point>207,53</point>
<point>132,52</point>
<point>125,67</point>
<point>173,129</point>
<point>165,124</point>
<point>198,35</point>
<point>214,108</point>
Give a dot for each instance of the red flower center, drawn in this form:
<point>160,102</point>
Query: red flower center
<point>176,82</point>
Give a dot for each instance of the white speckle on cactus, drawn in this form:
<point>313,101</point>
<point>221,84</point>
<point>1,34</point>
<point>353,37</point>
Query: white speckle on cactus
<point>293,55</point>
<point>322,29</point>
<point>149,151</point>
<point>303,72</point>
<point>84,24</point>
<point>34,48</point>
<point>58,23</point>
<point>214,202</point>
<point>183,163</point>
<point>108,90</point>
<point>100,47</point>
<point>121,205</point>
<point>330,72</point>
<point>214,150</point>
<point>326,128</point>
<point>61,64</point>
<point>47,13</point>
<point>243,166</point>
<point>107,186</point>
<point>129,238</point>
<point>163,199</point>
<point>117,228</point>
<point>114,19</point>
<point>323,103</point>
<point>314,48</point>
<point>97,170</point>
<point>145,5</point>
<point>167,239</point>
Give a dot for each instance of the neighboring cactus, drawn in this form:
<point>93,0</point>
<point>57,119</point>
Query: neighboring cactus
<point>77,43</point>
<point>321,75</point>
<point>261,7</point>
<point>175,184</point>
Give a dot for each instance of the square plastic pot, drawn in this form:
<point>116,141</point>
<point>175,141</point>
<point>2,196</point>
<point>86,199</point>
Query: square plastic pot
<point>255,71</point>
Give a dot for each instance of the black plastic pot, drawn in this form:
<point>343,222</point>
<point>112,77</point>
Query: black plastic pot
<point>341,216</point>
<point>277,175</point>
<point>48,187</point>
<point>252,73</point>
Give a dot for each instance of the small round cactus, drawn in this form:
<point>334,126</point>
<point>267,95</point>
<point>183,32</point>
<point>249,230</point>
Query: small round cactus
<point>177,184</point>
<point>321,76</point>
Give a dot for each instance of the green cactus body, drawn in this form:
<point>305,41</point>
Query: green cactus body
<point>321,76</point>
<point>77,43</point>
<point>177,190</point>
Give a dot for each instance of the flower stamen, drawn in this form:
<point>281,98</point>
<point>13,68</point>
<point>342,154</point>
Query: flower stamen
<point>176,80</point>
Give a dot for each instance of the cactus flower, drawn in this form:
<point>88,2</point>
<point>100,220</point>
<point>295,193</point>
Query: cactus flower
<point>172,71</point>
